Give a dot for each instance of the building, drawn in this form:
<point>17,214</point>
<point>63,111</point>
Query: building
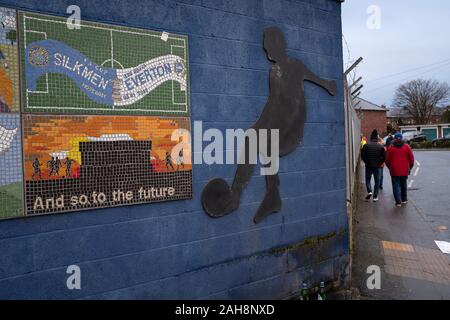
<point>398,117</point>
<point>372,117</point>
<point>432,131</point>
<point>174,250</point>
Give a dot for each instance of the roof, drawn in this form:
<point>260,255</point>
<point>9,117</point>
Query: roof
<point>364,105</point>
<point>403,113</point>
<point>398,113</point>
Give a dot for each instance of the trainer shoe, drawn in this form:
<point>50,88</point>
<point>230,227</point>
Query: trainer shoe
<point>398,205</point>
<point>404,202</point>
<point>375,199</point>
<point>369,196</point>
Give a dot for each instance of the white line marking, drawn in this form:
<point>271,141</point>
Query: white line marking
<point>417,172</point>
<point>173,89</point>
<point>46,75</point>
<point>157,35</point>
<point>112,51</point>
<point>410,184</point>
<point>24,33</point>
<point>103,109</point>
<point>46,83</point>
<point>109,60</point>
<point>38,32</point>
<point>418,163</point>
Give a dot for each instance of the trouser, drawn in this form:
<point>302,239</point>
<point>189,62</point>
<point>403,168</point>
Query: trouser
<point>375,172</point>
<point>381,177</point>
<point>400,188</point>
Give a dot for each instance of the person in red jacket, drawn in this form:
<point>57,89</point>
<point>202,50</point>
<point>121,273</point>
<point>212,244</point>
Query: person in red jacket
<point>400,161</point>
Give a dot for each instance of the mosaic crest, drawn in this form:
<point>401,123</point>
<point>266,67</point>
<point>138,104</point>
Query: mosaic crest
<point>101,69</point>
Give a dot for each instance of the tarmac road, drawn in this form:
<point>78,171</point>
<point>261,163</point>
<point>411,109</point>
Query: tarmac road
<point>431,188</point>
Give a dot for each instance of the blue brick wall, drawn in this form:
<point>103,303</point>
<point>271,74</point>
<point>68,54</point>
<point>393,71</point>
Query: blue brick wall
<point>173,249</point>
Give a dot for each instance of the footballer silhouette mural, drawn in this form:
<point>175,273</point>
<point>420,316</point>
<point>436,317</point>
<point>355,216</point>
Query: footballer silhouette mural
<point>284,110</point>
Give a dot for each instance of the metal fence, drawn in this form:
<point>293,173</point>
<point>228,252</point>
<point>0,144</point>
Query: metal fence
<point>352,141</point>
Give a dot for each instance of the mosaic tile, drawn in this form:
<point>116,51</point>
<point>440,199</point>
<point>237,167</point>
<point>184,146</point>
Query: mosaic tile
<point>101,69</point>
<point>74,162</point>
<point>9,62</point>
<point>11,187</point>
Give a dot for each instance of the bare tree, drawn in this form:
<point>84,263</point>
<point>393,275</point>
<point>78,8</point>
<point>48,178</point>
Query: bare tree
<point>421,97</point>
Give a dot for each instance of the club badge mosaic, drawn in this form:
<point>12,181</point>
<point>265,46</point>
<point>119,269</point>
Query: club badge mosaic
<point>104,116</point>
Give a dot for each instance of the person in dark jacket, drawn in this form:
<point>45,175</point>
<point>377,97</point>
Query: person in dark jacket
<point>380,141</point>
<point>373,155</point>
<point>389,140</point>
<point>400,161</point>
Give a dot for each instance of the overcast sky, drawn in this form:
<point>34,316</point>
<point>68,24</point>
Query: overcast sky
<point>413,40</point>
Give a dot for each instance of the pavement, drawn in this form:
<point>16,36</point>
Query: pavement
<point>401,240</point>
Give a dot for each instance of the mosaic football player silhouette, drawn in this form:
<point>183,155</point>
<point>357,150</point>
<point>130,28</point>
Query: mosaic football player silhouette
<point>51,164</point>
<point>169,162</point>
<point>57,166</point>
<point>68,163</point>
<point>180,160</point>
<point>36,169</point>
<point>284,110</point>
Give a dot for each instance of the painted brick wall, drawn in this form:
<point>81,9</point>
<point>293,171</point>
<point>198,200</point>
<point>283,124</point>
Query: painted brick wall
<point>173,249</point>
<point>373,120</point>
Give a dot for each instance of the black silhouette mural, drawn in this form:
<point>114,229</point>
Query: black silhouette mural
<point>285,110</point>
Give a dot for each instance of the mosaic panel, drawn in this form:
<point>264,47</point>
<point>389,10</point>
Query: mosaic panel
<point>9,62</point>
<point>11,187</point>
<point>92,117</point>
<point>101,69</point>
<point>74,162</point>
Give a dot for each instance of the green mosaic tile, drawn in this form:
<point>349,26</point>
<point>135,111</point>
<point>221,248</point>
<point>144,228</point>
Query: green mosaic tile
<point>101,69</point>
<point>11,187</point>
